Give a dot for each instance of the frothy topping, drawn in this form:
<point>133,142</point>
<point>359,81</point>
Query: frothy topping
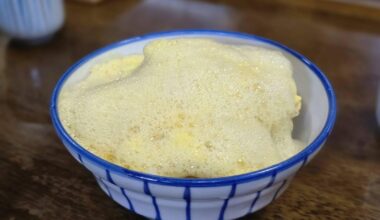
<point>187,107</point>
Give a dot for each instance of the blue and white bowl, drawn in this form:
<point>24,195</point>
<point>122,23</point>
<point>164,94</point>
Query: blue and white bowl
<point>31,20</point>
<point>230,197</point>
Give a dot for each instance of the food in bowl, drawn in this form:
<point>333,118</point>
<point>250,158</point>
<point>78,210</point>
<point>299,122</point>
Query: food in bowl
<point>187,107</point>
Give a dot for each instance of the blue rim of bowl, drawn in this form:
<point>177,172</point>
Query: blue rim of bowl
<point>268,171</point>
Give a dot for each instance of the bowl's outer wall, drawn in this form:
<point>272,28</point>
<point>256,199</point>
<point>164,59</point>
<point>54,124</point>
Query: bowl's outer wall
<point>154,200</point>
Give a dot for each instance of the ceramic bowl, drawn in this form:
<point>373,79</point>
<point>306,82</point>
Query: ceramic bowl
<point>31,20</point>
<point>159,197</point>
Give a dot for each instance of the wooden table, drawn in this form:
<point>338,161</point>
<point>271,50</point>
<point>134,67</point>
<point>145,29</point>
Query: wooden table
<point>40,180</point>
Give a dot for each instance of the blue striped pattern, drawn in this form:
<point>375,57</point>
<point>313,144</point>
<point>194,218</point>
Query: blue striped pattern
<point>187,193</point>
<point>109,178</point>
<point>147,192</point>
<point>273,177</point>
<point>127,198</point>
<point>31,19</point>
<point>80,158</point>
<point>254,201</point>
<point>100,180</point>
<point>187,198</point>
<point>225,204</point>
<point>279,189</point>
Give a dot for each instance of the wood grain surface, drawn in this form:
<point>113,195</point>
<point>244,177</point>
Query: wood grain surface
<point>40,180</point>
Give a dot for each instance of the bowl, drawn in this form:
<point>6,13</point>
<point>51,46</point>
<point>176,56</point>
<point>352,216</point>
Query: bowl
<point>159,197</point>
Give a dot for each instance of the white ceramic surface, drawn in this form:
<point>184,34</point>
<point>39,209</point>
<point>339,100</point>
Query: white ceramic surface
<point>31,19</point>
<point>219,198</point>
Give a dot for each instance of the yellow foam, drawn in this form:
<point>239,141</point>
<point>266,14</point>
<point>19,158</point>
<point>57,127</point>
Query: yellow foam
<point>187,107</point>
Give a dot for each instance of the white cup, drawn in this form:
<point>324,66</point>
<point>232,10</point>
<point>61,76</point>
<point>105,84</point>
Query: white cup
<point>31,20</point>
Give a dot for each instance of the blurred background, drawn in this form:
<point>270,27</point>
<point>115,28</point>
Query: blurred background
<point>40,39</point>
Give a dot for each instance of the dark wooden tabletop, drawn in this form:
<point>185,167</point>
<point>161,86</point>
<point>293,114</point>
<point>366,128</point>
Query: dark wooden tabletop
<point>40,180</point>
